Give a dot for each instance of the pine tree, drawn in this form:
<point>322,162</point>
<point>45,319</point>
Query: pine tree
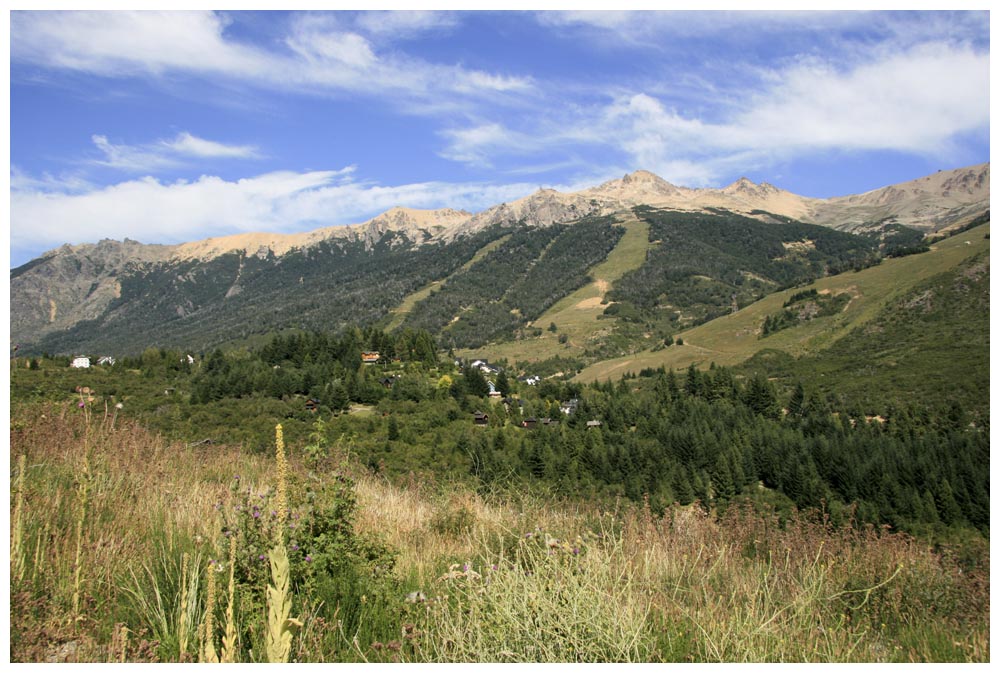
<point>796,404</point>
<point>503,385</point>
<point>693,382</point>
<point>475,382</point>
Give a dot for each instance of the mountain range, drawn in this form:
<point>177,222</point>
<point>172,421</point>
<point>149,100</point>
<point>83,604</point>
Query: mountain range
<point>503,266</point>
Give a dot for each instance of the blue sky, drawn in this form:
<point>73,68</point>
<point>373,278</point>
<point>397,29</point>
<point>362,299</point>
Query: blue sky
<point>176,126</point>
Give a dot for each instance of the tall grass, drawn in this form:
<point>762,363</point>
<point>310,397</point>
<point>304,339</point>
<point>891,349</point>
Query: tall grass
<point>120,574</point>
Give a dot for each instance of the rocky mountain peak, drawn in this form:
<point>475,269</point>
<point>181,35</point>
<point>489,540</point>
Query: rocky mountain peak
<point>638,182</point>
<point>747,186</point>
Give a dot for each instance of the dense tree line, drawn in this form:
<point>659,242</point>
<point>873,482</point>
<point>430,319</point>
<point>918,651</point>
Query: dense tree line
<point>200,304</point>
<point>323,367</point>
<point>701,435</point>
<point>709,436</point>
<point>705,263</point>
<point>802,307</point>
<point>515,283</point>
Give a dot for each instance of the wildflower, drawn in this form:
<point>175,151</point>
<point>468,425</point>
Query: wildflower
<point>528,536</point>
<point>309,558</point>
<point>256,514</point>
<point>236,478</point>
<point>465,567</point>
<point>261,557</point>
<point>295,547</point>
<point>80,404</point>
<point>575,551</point>
<point>494,566</point>
<point>119,405</point>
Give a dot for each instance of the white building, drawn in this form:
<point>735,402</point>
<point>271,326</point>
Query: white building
<point>80,362</point>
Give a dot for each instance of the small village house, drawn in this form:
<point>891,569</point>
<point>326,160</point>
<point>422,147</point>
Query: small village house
<point>80,362</point>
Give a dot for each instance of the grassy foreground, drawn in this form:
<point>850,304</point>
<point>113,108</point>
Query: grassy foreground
<point>127,548</point>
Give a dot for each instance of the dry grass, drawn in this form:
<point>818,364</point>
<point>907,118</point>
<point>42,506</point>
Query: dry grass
<point>743,587</point>
<point>144,498</point>
<point>516,577</point>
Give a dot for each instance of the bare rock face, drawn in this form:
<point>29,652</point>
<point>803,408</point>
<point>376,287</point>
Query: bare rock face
<point>73,283</point>
<point>543,208</point>
<point>416,225</point>
<point>929,203</point>
<point>636,188</point>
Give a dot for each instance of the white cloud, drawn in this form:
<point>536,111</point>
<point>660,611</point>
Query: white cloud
<point>127,43</point>
<point>649,29</point>
<point>478,145</point>
<point>912,102</point>
<point>190,145</point>
<point>280,202</point>
<point>165,154</point>
<point>920,101</point>
<point>321,57</point>
<point>404,24</point>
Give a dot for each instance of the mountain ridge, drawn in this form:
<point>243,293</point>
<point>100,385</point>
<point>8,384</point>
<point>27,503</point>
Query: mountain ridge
<point>96,281</point>
<point>916,203</point>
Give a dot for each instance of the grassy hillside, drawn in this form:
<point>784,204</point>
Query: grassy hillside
<point>930,344</point>
<point>735,338</point>
<point>578,315</point>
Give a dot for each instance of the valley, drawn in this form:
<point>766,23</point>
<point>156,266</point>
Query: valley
<point>571,410</point>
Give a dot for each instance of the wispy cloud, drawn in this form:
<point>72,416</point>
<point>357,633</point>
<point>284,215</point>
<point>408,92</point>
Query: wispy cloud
<point>405,24</point>
<point>187,144</point>
<point>479,145</point>
<point>319,56</point>
<point>166,154</point>
<point>648,29</point>
<point>920,101</point>
<point>185,210</point>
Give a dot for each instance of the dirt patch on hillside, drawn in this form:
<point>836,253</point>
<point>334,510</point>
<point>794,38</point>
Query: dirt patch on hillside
<point>593,302</point>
